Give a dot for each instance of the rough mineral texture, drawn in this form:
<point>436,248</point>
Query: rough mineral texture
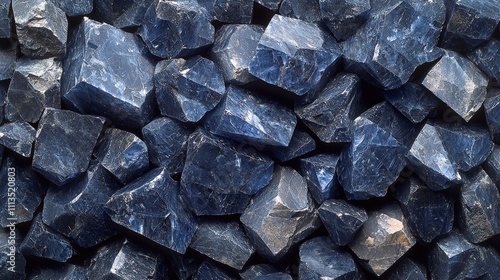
<point>407,269</point>
<point>64,271</point>
<point>320,173</point>
<point>183,265</point>
<point>18,137</point>
<point>300,144</point>
<point>342,220</point>
<point>8,57</point>
<point>492,165</point>
<point>258,270</point>
<point>5,19</point>
<point>344,17</point>
<point>6,253</point>
<point>492,112</point>
<point>121,13</point>
<point>309,12</point>
<point>209,270</point>
<point>75,8</point>
<point>229,11</point>
<point>270,4</point>
<point>487,59</point>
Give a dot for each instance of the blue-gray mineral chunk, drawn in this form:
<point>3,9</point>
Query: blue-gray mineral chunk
<point>209,270</point>
<point>223,241</point>
<point>123,154</point>
<point>295,55</point>
<point>489,268</point>
<point>246,116</point>
<point>75,8</point>
<point>121,13</point>
<point>469,23</point>
<point>492,113</point>
<point>229,11</point>
<point>300,144</point>
<point>64,143</point>
<point>77,209</point>
<point>320,173</point>
<point>64,271</point>
<point>429,214</point>
<point>386,50</point>
<point>306,11</point>
<point>3,94</point>
<point>492,165</point>
<point>407,269</point>
<point>344,17</point>
<point>320,258</point>
<point>257,270</point>
<point>285,204</point>
<point>151,206</point>
<point>233,49</point>
<point>8,57</point>
<point>5,19</point>
<point>166,140</point>
<point>35,85</point>
<point>12,262</point>
<point>18,137</point>
<point>22,192</point>
<point>176,28</point>
<point>376,155</point>
<point>108,73</point>
<point>272,5</point>
<point>342,220</point>
<point>44,242</point>
<point>187,89</point>
<point>458,83</point>
<point>330,116</point>
<point>183,265</point>
<point>383,239</point>
<point>41,28</point>
<point>487,59</point>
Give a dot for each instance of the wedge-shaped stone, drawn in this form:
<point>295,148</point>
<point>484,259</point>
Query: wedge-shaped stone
<point>18,137</point>
<point>8,57</point>
<point>300,144</point>
<point>319,171</point>
<point>344,17</point>
<point>306,11</point>
<point>209,270</point>
<point>121,13</point>
<point>492,165</point>
<point>75,8</point>
<point>5,19</point>
<point>19,263</point>
<point>492,112</point>
<point>229,11</point>
<point>407,269</point>
<point>342,220</point>
<point>487,59</point>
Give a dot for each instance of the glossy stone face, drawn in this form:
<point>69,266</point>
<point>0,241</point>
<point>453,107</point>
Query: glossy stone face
<point>18,137</point>
<point>407,269</point>
<point>492,165</point>
<point>75,8</point>
<point>492,112</point>
<point>5,19</point>
<point>209,270</point>
<point>344,17</point>
<point>300,144</point>
<point>309,12</point>
<point>229,11</point>
<point>342,220</point>
<point>486,58</point>
<point>270,4</point>
<point>320,173</point>
<point>121,13</point>
<point>258,270</point>
<point>413,101</point>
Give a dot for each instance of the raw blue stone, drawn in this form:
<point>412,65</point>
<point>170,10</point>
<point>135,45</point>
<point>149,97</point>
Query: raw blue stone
<point>429,214</point>
<point>18,137</point>
<point>183,265</point>
<point>407,269</point>
<point>5,19</point>
<point>107,72</point>
<point>64,143</point>
<point>492,112</point>
<point>342,220</point>
<point>295,55</point>
<point>187,89</point>
<point>331,114</point>
<point>177,28</point>
<point>75,8</point>
<point>246,116</point>
<point>210,271</point>
<point>151,206</point>
<point>19,262</point>
<point>8,57</point>
<point>307,11</point>
<point>3,94</point>
<point>300,144</point>
<point>319,171</point>
<point>229,11</point>
<point>274,276</point>
<point>487,59</point>
<point>257,270</point>
<point>64,271</point>
<point>120,13</point>
<point>344,17</point>
<point>77,209</point>
<point>272,5</point>
<point>166,140</point>
<point>492,165</point>
<point>490,264</point>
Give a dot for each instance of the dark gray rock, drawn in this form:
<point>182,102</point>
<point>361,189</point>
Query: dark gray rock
<point>248,117</point>
<point>121,13</point>
<point>274,276</point>
<point>35,85</point>
<point>257,270</point>
<point>407,269</point>
<point>429,214</point>
<point>187,89</point>
<point>295,55</point>
<point>77,209</point>
<point>492,112</point>
<point>487,59</point>
<point>178,28</point>
<point>458,83</point>
<point>344,17</point>
<point>306,11</point>
<point>64,271</point>
<point>18,137</point>
<point>330,116</point>
<point>108,73</point>
<point>489,266</point>
<point>320,173</point>
<point>300,144</point>
<point>272,5</point>
<point>75,8</point>
<point>41,28</point>
<point>3,94</point>
<point>64,143</point>
<point>229,11</point>
<point>12,262</point>
<point>183,265</point>
<point>151,206</point>
<point>5,19</point>
<point>210,271</point>
<point>492,165</point>
<point>8,57</point>
<point>234,47</point>
<point>342,220</point>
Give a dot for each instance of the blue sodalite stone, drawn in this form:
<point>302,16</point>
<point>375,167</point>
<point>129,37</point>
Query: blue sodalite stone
<point>121,13</point>
<point>187,89</point>
<point>18,137</point>
<point>44,242</point>
<point>75,8</point>
<point>177,28</point>
<point>166,140</point>
<point>249,117</point>
<point>234,47</point>
<point>77,209</point>
<point>229,11</point>
<point>151,206</point>
<point>331,114</point>
<point>309,11</point>
<point>342,220</point>
<point>295,55</point>
<point>492,165</point>
<point>413,101</point>
<point>320,173</point>
<point>5,257</point>
<point>64,271</point>
<point>108,73</point>
<point>35,85</point>
<point>209,270</point>
<point>380,142</point>
<point>223,241</point>
<point>64,143</point>
<point>300,144</point>
<point>272,5</point>
<point>344,17</point>
<point>320,258</point>
<point>487,59</point>
<point>257,270</point>
<point>386,50</point>
<point>407,269</point>
<point>489,268</point>
<point>429,214</point>
<point>5,19</point>
<point>492,112</point>
<point>469,23</point>
<point>8,57</point>
<point>458,83</point>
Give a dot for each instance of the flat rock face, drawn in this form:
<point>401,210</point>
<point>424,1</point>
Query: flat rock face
<point>492,165</point>
<point>229,11</point>
<point>108,73</point>
<point>342,220</point>
<point>257,270</point>
<point>121,13</point>
<point>5,19</point>
<point>61,271</point>
<point>8,57</point>
<point>485,57</point>
<point>492,112</point>
<point>407,269</point>
<point>309,12</point>
<point>300,144</point>
<point>295,55</point>
<point>75,8</point>
<point>320,173</point>
<point>344,17</point>
<point>18,137</point>
<point>270,4</point>
<point>209,270</point>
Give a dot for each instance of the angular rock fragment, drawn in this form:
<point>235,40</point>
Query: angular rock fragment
<point>183,265</point>
<point>258,270</point>
<point>300,144</point>
<point>330,116</point>
<point>12,262</point>
<point>344,17</point>
<point>35,85</point>
<point>492,165</point>
<point>234,47</point>
<point>205,201</point>
<point>18,137</point>
<point>210,271</point>
<point>383,239</point>
<point>487,59</point>
<point>285,204</point>
<point>413,101</point>
<point>229,11</point>
<point>492,112</point>
<point>5,19</point>
<point>64,271</point>
<point>187,89</point>
<point>41,27</point>
<point>320,173</point>
<point>8,57</point>
<point>295,55</point>
<point>151,206</point>
<point>309,11</point>
<point>248,117</point>
<point>64,143</point>
<point>429,214</point>
<point>76,8</point>
<point>407,269</point>
<point>107,72</point>
<point>272,5</point>
<point>77,209</point>
<point>489,268</point>
<point>178,28</point>
<point>458,83</point>
<point>122,14</point>
<point>342,220</point>
<point>3,94</point>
